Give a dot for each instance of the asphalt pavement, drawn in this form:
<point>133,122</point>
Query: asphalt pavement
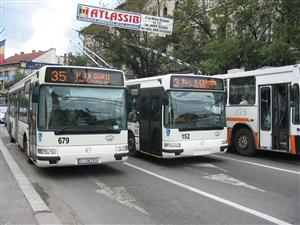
<point>215,189</point>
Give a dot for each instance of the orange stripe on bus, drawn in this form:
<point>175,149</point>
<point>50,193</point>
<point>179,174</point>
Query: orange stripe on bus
<point>239,119</point>
<point>229,135</point>
<point>256,140</point>
<point>293,144</point>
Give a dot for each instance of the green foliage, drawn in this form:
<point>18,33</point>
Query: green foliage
<point>232,34</point>
<point>77,60</point>
<point>17,77</point>
<point>238,33</point>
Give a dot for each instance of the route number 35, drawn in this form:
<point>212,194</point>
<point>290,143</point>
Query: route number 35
<point>63,140</point>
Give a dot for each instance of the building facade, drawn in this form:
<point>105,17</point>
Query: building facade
<point>26,63</point>
<point>165,8</point>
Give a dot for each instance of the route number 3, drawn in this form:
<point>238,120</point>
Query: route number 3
<point>63,140</point>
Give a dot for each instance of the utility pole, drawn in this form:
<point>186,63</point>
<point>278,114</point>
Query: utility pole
<point>158,7</point>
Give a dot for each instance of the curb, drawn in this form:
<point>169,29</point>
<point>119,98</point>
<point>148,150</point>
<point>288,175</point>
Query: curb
<point>42,213</point>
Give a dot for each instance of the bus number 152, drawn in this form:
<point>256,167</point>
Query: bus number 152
<point>185,136</point>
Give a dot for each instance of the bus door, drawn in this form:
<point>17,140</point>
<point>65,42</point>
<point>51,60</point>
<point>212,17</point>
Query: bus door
<point>274,117</point>
<point>281,117</point>
<point>32,122</point>
<point>265,113</point>
<point>16,119</point>
<point>151,120</point>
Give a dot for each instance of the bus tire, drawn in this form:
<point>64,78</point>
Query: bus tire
<point>131,144</point>
<point>244,143</point>
<point>26,150</point>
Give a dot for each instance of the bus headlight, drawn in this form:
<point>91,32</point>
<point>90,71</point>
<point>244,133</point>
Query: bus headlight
<point>121,148</point>
<point>47,151</point>
<point>224,141</point>
<point>172,145</point>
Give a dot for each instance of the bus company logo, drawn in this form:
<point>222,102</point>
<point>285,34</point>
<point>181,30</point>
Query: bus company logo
<point>168,132</point>
<point>40,136</point>
<point>217,133</point>
<point>88,150</point>
<point>202,143</point>
<point>109,138</point>
<point>83,11</point>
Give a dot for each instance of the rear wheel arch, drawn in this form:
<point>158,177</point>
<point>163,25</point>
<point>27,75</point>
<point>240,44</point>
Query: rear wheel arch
<point>243,140</point>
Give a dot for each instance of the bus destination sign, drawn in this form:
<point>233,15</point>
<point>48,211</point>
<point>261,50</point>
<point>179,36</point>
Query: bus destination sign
<point>196,82</point>
<point>83,76</point>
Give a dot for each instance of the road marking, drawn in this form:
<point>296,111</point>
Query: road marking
<point>230,180</point>
<point>258,164</point>
<point>118,194</point>
<point>211,196</point>
<point>209,165</point>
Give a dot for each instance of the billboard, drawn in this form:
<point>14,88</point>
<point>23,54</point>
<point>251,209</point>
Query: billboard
<point>123,19</point>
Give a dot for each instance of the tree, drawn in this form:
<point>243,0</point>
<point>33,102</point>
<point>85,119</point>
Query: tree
<point>238,33</point>
<point>17,77</point>
<point>77,60</point>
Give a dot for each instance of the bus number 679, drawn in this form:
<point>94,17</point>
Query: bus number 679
<point>63,140</point>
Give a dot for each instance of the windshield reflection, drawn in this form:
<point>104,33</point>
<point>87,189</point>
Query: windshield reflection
<point>195,110</point>
<point>81,109</point>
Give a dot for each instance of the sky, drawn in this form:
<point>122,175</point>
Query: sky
<point>43,24</point>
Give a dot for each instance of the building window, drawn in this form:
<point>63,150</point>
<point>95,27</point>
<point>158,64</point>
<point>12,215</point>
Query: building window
<point>165,12</point>
<point>242,91</point>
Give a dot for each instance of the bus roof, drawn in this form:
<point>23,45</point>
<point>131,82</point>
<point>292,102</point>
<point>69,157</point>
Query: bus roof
<point>261,72</point>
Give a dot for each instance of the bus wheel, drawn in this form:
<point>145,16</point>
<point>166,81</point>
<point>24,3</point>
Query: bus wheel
<point>244,143</point>
<point>26,150</point>
<point>131,144</point>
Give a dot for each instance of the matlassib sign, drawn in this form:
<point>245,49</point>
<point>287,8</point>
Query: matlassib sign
<point>126,20</point>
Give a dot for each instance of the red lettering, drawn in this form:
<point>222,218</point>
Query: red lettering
<point>120,17</point>
<point>101,11</point>
<point>94,13</point>
<point>136,19</point>
<point>113,16</point>
<point>106,15</point>
<point>130,19</point>
<point>125,18</point>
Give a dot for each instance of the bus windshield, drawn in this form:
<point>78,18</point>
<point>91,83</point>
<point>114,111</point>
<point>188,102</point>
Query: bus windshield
<point>188,110</point>
<point>65,109</point>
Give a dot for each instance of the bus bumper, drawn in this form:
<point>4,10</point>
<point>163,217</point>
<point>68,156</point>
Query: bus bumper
<point>119,156</point>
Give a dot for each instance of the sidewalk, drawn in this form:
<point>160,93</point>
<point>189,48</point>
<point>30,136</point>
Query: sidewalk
<point>19,201</point>
<point>14,207</point>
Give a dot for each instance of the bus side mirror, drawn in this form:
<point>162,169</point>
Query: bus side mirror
<point>134,92</point>
<point>35,93</point>
<point>165,99</point>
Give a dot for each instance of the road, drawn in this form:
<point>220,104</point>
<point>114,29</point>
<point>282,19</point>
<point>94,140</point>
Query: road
<point>216,189</point>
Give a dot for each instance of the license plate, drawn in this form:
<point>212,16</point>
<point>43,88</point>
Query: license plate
<point>87,161</point>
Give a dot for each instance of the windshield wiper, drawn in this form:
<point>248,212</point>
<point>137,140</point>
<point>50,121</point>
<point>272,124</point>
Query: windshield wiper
<point>60,131</point>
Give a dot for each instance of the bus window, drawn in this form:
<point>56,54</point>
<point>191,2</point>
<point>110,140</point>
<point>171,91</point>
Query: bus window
<point>296,106</point>
<point>265,109</point>
<point>132,108</point>
<point>242,91</point>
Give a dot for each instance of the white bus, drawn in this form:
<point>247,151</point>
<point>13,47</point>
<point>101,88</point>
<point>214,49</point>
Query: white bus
<point>176,115</point>
<point>65,115</point>
<point>263,110</point>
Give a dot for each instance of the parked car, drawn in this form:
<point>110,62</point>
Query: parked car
<point>2,114</point>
